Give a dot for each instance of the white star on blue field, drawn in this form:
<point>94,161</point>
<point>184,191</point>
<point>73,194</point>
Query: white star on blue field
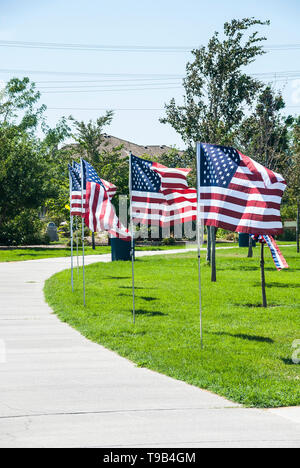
<point>218,165</point>
<point>91,174</point>
<point>144,179</point>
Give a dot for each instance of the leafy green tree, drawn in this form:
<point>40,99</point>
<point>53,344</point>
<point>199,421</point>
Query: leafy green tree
<point>218,90</point>
<point>29,169</point>
<point>110,165</point>
<point>294,174</point>
<point>89,136</point>
<point>264,135</point>
<point>19,105</point>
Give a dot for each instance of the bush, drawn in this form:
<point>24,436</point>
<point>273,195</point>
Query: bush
<point>24,229</point>
<point>168,241</point>
<point>227,235</point>
<point>288,235</point>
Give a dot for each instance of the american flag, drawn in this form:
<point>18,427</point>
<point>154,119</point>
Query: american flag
<point>278,258</point>
<point>160,195</point>
<point>75,178</point>
<point>237,193</point>
<point>100,213</point>
<point>110,188</point>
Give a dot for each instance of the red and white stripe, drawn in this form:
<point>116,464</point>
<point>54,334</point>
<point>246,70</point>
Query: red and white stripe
<point>251,202</point>
<point>175,203</point>
<point>100,214</point>
<point>110,188</point>
<point>278,258</point>
<point>76,209</point>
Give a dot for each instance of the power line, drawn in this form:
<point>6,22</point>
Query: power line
<point>95,47</point>
<point>104,109</point>
<point>68,73</point>
<point>109,90</point>
<point>167,77</point>
<point>290,73</point>
<point>122,48</point>
<point>122,109</point>
<point>109,85</point>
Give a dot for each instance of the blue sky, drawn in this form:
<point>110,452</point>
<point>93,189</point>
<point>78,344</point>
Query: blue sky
<point>133,23</point>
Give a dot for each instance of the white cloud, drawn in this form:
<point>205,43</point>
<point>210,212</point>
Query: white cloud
<point>296,92</point>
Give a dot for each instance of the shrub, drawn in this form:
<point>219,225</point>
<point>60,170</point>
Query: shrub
<point>288,235</point>
<point>24,229</point>
<point>168,241</point>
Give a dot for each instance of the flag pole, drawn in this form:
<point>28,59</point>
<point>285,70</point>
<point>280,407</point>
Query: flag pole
<point>198,158</point>
<point>71,232</point>
<point>82,234</point>
<point>77,245</point>
<point>132,240</point>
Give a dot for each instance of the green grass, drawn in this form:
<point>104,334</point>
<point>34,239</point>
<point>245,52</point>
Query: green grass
<point>17,255</point>
<point>248,349</point>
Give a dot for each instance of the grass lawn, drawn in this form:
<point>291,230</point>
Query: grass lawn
<point>17,255</point>
<point>248,349</point>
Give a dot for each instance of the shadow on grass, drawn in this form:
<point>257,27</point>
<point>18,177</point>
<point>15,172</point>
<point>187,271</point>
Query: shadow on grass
<point>150,313</point>
<point>244,268</point>
<point>135,287</point>
<point>262,339</point>
<point>278,285</point>
<point>145,298</point>
<point>289,362</point>
<point>257,305</point>
<point>116,277</point>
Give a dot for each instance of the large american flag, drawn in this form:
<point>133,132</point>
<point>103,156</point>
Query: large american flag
<point>160,195</point>
<point>237,193</point>
<point>75,202</point>
<point>75,172</point>
<point>100,213</point>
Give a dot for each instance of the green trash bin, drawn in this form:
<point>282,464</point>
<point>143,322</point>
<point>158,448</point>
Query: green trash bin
<point>244,240</point>
<point>120,249</point>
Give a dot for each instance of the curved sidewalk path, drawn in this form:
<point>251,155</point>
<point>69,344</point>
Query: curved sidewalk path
<point>57,389</point>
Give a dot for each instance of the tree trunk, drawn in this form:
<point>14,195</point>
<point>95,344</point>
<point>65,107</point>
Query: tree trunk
<point>208,254</point>
<point>298,225</point>
<point>263,279</point>
<point>93,240</point>
<point>250,250</point>
<point>213,255</point>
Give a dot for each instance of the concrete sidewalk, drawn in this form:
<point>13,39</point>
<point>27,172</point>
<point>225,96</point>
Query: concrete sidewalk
<point>57,389</point>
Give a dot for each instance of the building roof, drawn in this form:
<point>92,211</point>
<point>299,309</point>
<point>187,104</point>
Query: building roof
<point>109,142</point>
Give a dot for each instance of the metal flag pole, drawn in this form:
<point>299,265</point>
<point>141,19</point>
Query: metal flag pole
<point>71,232</point>
<point>77,245</point>
<point>132,240</point>
<point>82,234</point>
<point>76,227</point>
<point>198,157</point>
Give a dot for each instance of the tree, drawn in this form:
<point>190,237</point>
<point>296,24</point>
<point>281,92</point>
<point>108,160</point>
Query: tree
<point>264,135</point>
<point>294,173</point>
<point>29,173</point>
<point>19,105</point>
<point>217,89</point>
<point>109,164</point>
<point>90,135</point>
